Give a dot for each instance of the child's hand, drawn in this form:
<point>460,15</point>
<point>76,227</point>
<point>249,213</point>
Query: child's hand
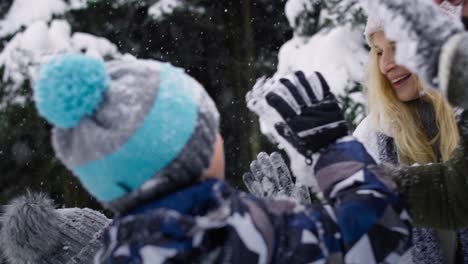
<point>300,115</point>
<point>269,177</point>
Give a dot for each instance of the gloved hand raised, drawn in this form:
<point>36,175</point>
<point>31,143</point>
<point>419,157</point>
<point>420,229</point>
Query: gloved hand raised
<point>301,115</point>
<point>269,177</point>
<point>312,118</point>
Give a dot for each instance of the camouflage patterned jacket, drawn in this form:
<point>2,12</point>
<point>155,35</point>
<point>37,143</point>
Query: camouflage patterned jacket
<point>211,222</point>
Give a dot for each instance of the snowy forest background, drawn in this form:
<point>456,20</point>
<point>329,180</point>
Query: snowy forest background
<point>225,44</point>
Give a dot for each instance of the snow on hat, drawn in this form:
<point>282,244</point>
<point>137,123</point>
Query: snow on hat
<point>374,24</point>
<point>131,130</point>
<point>33,231</point>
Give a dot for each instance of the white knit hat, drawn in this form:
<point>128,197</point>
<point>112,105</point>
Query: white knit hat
<point>33,231</point>
<point>374,24</point>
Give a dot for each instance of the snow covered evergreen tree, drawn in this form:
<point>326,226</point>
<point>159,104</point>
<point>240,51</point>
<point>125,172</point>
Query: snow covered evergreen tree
<point>328,38</point>
<point>29,32</point>
<point>223,44</point>
<point>226,45</point>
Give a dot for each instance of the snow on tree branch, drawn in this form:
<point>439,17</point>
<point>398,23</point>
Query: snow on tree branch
<point>338,52</point>
<point>28,49</point>
<point>26,12</point>
<point>164,7</point>
<point>328,37</point>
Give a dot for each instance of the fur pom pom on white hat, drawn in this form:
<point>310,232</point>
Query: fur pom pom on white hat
<point>33,231</point>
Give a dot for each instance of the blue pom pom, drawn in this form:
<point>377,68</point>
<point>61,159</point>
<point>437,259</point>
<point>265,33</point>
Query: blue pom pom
<point>70,87</point>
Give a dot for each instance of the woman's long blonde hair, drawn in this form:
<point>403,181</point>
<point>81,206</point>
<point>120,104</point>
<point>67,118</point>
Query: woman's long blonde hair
<point>412,142</point>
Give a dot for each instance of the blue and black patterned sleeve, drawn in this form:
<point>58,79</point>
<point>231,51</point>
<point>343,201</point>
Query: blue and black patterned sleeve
<point>364,221</point>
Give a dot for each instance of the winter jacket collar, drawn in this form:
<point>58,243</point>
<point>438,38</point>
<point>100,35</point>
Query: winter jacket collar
<point>193,200</point>
<point>173,225</point>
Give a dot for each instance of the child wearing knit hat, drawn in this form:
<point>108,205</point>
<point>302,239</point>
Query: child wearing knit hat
<point>143,138</point>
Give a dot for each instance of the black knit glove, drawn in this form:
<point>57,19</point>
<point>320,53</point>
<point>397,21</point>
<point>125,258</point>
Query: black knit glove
<point>312,118</point>
<point>420,29</point>
<point>270,177</point>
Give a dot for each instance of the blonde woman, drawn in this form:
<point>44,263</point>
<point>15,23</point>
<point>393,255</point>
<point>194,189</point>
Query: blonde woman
<point>412,124</point>
<point>408,124</point>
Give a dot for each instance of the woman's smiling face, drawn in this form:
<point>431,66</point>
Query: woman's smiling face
<point>404,82</point>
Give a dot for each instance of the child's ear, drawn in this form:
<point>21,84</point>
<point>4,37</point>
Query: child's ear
<point>217,164</point>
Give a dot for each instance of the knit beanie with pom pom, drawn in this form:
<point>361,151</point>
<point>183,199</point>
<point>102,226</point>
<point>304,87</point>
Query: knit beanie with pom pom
<point>374,24</point>
<point>130,130</point>
<point>33,231</point>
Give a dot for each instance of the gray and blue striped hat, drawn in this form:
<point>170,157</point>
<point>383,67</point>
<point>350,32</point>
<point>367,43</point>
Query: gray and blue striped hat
<point>130,130</point>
